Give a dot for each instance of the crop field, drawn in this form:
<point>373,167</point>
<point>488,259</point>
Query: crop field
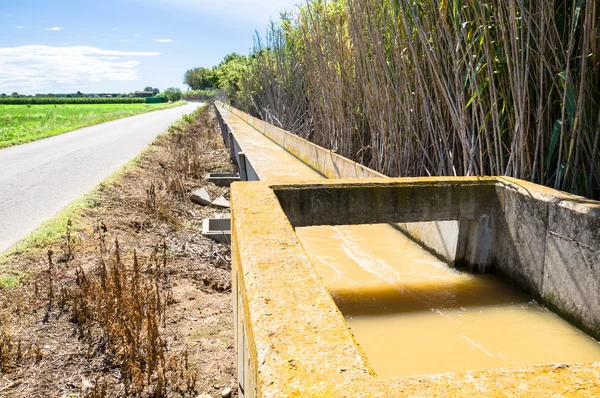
<point>25,123</point>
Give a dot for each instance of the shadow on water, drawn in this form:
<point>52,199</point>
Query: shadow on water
<point>475,291</point>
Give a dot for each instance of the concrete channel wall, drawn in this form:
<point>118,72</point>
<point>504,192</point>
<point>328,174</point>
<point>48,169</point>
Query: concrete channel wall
<point>326,162</point>
<point>296,340</point>
<point>292,341</point>
<point>452,241</point>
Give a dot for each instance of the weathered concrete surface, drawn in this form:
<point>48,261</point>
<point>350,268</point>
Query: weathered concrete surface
<point>221,202</point>
<point>440,237</point>
<point>324,161</point>
<point>293,339</point>
<point>222,179</point>
<point>482,221</point>
<point>201,197</point>
<point>259,158</point>
<point>394,200</point>
<point>218,229</point>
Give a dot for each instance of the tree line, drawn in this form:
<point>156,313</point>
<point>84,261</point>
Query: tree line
<point>225,77</point>
<point>171,94</point>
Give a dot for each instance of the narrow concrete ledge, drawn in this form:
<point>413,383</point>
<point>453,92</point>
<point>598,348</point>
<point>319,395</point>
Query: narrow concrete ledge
<point>324,161</point>
<point>222,179</point>
<point>218,229</point>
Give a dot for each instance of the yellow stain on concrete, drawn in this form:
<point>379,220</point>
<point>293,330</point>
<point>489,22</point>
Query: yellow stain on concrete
<point>298,342</point>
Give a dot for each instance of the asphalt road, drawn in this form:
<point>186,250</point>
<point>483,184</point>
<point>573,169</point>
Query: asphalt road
<point>40,178</point>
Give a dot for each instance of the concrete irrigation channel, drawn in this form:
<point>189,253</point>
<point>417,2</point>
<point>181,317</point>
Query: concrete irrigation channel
<point>347,283</point>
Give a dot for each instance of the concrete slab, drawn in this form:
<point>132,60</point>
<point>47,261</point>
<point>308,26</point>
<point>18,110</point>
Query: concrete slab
<point>222,179</point>
<point>218,229</point>
<point>221,202</point>
<point>572,262</point>
<point>201,197</point>
<point>327,163</point>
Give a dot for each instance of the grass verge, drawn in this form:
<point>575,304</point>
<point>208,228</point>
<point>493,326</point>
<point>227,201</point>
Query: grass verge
<point>20,124</point>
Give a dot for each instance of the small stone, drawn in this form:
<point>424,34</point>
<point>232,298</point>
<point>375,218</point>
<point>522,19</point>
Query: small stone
<point>226,393</point>
<point>200,197</point>
<point>221,202</point>
<point>86,384</point>
<point>204,396</point>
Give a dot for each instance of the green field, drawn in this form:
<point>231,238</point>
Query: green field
<point>25,123</point>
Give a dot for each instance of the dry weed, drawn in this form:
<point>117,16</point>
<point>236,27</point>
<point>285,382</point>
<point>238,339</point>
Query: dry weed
<point>117,289</point>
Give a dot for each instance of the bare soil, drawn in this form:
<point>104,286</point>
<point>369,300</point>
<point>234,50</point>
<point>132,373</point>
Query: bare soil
<point>48,349</point>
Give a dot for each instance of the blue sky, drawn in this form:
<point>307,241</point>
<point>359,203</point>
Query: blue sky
<point>63,46</point>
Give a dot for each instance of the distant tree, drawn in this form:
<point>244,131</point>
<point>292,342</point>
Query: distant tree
<point>172,94</point>
<point>226,76</point>
<point>15,94</point>
<point>3,95</point>
<point>200,78</point>
<point>155,91</point>
<point>230,73</point>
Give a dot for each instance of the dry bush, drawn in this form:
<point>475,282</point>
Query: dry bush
<point>10,346</point>
<point>158,202</point>
<point>121,310</point>
<point>183,165</point>
<point>120,306</point>
<point>187,145</point>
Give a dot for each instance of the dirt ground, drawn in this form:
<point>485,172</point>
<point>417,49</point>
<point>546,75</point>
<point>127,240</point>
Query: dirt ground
<point>133,301</point>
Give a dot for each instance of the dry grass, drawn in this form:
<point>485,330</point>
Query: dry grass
<point>122,306</point>
<point>440,88</point>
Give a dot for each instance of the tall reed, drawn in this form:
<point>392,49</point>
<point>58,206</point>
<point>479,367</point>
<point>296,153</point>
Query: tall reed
<point>415,88</point>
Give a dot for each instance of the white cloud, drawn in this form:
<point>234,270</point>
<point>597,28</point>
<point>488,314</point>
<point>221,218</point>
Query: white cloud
<point>20,27</point>
<point>29,68</point>
<point>115,28</point>
<point>55,28</point>
<point>124,40</point>
<point>162,40</point>
<point>137,35</point>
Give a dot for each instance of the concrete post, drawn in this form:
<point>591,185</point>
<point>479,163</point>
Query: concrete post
<point>242,166</point>
<point>473,245</point>
<point>231,145</point>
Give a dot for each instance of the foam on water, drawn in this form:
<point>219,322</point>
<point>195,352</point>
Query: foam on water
<point>412,314</point>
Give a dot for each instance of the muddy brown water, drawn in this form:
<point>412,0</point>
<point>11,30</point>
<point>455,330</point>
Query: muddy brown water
<point>413,314</point>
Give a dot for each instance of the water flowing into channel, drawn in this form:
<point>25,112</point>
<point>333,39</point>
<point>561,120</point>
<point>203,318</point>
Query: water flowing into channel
<point>413,314</point>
